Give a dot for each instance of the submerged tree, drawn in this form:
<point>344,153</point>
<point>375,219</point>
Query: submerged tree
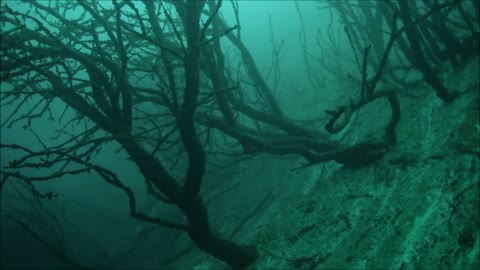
<point>153,77</point>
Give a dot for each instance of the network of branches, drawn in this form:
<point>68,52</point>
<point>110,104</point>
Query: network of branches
<point>153,78</point>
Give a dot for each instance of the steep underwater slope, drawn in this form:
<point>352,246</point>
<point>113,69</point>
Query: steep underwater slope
<point>418,207</point>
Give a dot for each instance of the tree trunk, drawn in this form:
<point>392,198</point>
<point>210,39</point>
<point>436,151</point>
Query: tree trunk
<point>193,208</point>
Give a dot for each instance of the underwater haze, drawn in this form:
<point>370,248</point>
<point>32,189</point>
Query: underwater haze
<point>227,134</point>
